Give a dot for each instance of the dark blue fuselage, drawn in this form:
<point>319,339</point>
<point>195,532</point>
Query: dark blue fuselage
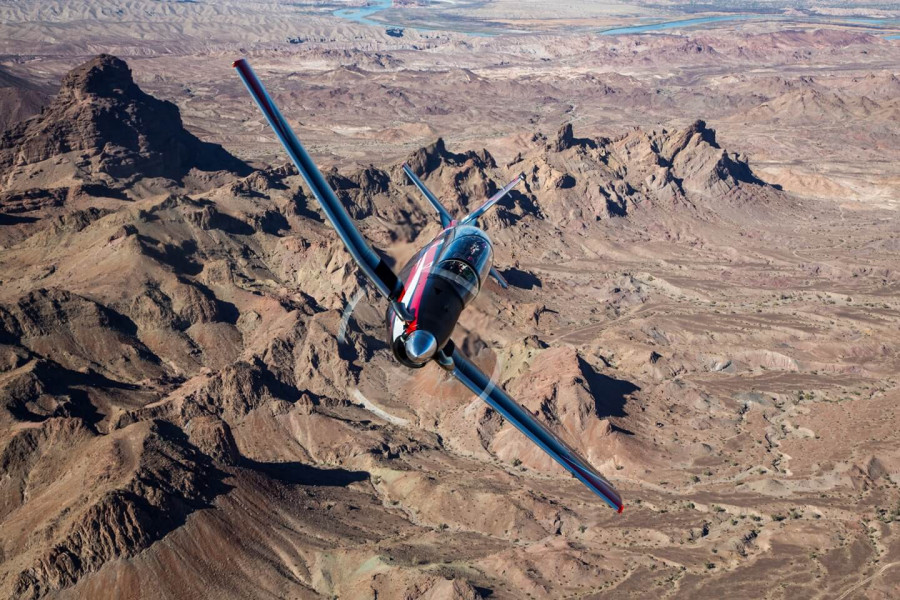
<point>439,281</point>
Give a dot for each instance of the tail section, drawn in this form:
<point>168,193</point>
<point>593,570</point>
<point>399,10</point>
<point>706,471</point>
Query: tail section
<point>447,220</point>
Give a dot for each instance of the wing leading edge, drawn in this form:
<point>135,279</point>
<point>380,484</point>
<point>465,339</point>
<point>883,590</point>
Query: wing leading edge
<point>378,272</point>
<point>474,379</point>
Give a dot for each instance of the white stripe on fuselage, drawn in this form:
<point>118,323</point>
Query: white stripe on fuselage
<point>409,292</point>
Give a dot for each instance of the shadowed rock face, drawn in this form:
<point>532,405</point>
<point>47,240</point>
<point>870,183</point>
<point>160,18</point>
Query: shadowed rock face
<point>149,480</point>
<point>583,180</point>
<point>116,129</point>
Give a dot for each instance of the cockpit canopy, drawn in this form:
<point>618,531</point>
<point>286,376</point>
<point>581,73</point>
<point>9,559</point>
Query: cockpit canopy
<point>465,263</point>
<point>472,248</point>
<point>461,277</point>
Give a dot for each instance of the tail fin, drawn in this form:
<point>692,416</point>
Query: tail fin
<point>472,216</point>
<point>446,219</point>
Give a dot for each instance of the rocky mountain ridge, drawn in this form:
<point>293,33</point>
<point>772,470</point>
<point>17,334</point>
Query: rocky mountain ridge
<point>109,131</point>
<point>166,348</point>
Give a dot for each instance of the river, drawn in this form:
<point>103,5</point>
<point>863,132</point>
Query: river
<point>361,14</point>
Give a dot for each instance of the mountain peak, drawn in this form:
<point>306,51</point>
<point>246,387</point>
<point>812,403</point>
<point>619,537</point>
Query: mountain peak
<point>432,157</point>
<point>125,133</point>
<point>104,75</point>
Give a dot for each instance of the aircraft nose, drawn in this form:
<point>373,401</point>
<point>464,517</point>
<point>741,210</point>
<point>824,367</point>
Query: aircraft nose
<point>420,346</point>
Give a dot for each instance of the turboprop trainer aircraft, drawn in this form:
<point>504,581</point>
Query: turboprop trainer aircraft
<point>427,298</point>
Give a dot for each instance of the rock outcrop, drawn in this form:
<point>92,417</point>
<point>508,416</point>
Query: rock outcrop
<point>112,130</point>
<point>586,180</point>
<point>142,484</point>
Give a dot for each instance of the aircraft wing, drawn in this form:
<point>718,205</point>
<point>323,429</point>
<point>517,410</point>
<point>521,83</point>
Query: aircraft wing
<point>474,379</point>
<point>369,262</point>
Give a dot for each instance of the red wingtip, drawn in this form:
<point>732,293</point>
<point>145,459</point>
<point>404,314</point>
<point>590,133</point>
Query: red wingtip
<point>237,62</point>
<point>621,508</point>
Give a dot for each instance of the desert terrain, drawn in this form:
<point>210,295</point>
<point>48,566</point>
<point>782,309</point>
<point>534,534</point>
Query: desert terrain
<point>196,398</point>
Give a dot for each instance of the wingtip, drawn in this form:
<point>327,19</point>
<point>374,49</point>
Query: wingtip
<point>240,61</point>
<point>621,509</point>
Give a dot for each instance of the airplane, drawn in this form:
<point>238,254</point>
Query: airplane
<point>426,299</point>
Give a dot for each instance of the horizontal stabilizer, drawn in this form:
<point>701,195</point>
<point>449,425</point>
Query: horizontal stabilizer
<point>473,216</point>
<point>499,278</point>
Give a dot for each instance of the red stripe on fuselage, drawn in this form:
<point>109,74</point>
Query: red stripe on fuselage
<point>406,290</point>
<point>428,262</point>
